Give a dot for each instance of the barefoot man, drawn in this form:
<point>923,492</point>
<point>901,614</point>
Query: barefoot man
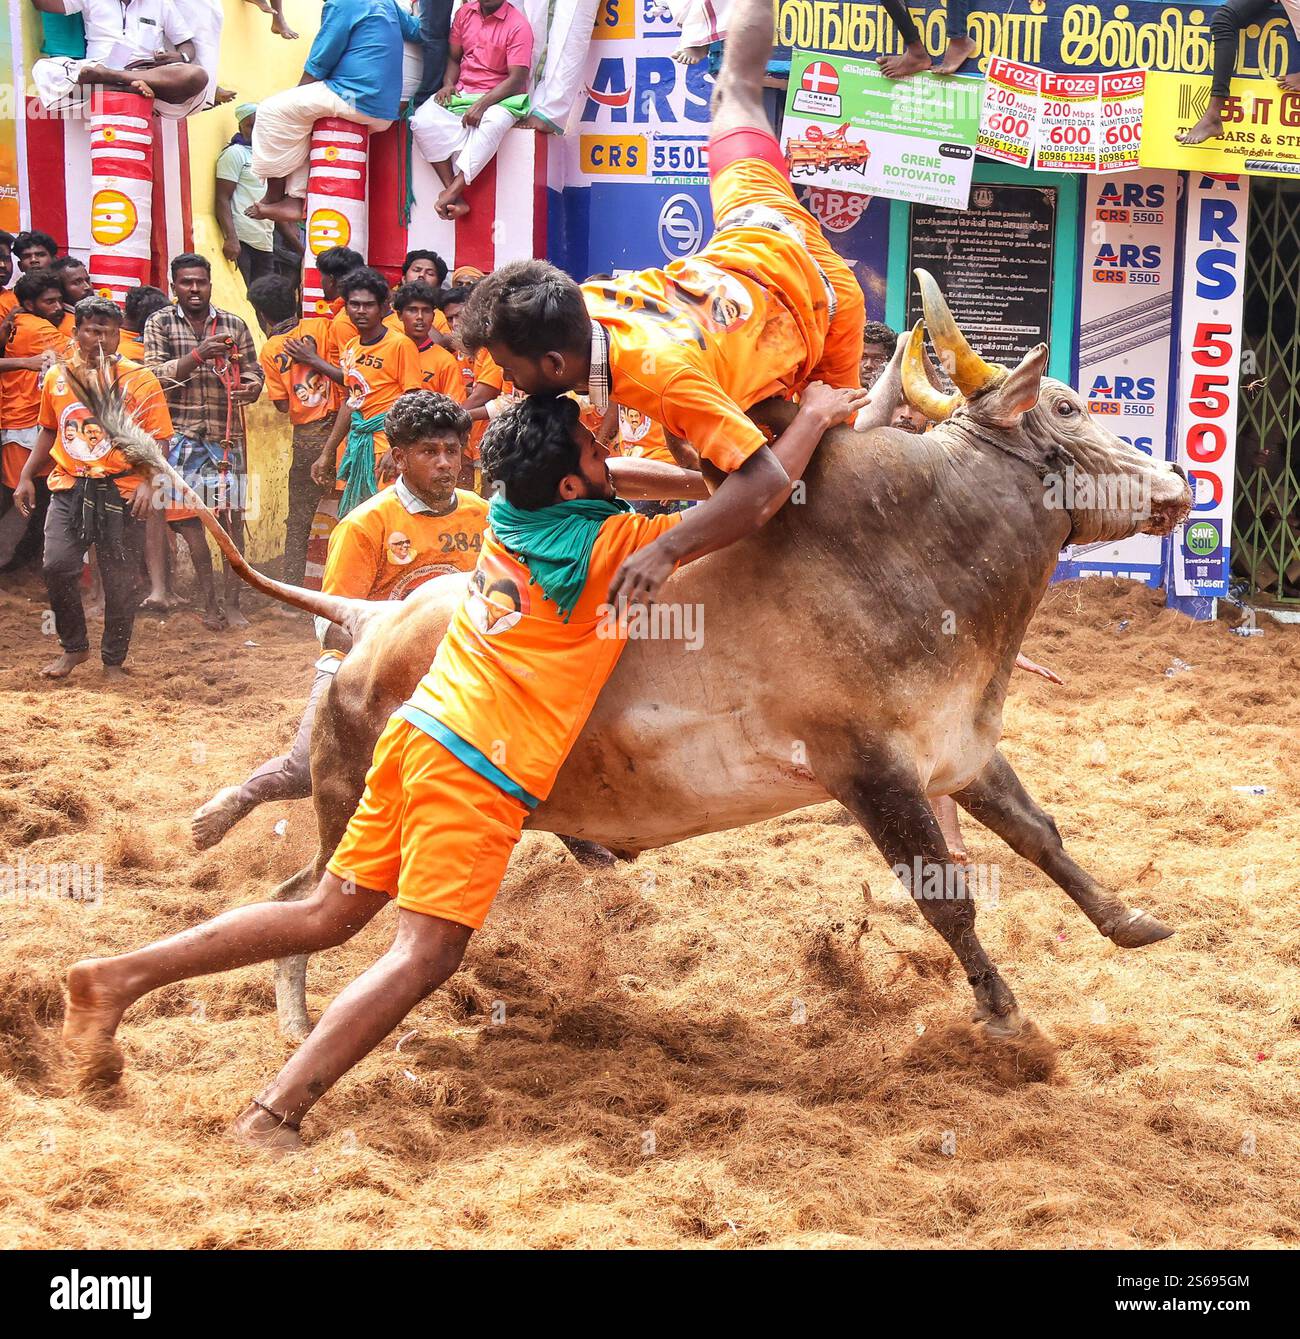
<point>353,71</point>
<point>483,90</point>
<point>124,49</point>
<point>766,308</point>
<point>95,495</point>
<point>1225,30</point>
<point>420,528</point>
<point>455,772</point>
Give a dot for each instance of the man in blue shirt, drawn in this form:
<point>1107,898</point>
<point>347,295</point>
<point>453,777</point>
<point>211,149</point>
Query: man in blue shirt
<point>354,71</point>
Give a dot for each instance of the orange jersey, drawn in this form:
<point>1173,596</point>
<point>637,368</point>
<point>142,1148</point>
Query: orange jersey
<point>308,393</point>
<point>383,550</point>
<point>374,375</point>
<point>21,390</point>
<point>68,325</point>
<point>641,436</point>
<point>80,446</point>
<point>9,300</point>
<point>130,345</point>
<point>439,371</point>
<point>513,683</point>
<point>694,345</point>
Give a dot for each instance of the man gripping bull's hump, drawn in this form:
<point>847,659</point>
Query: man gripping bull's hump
<point>454,776</point>
<point>766,309</point>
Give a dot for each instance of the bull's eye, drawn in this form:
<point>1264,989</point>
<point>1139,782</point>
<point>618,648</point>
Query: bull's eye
<point>1065,408</point>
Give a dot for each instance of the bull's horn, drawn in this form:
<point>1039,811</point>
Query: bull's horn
<point>934,404</point>
<point>969,372</point>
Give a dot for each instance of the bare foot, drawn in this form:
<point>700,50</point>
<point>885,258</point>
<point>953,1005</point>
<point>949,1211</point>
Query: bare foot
<point>1290,82</point>
<point>235,617</point>
<point>535,122</point>
<point>211,821</point>
<point>94,1009</point>
<point>159,604</point>
<point>64,665</point>
<point>960,50</point>
<point>688,55</point>
<point>451,209</point>
<point>220,96</point>
<point>289,210</point>
<point>1210,126</point>
<point>112,672</point>
<point>259,1129</point>
<point>139,86</point>
<point>915,59</point>
<point>263,5</point>
<point>281,29</point>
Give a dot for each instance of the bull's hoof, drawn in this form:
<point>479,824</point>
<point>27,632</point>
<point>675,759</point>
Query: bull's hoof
<point>1001,1028</point>
<point>1137,929</point>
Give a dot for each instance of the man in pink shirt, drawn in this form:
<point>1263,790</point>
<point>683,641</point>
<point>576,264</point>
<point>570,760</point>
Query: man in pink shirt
<point>483,90</point>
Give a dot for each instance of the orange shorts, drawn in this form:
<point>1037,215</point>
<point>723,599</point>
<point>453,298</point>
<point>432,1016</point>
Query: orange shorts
<point>755,180</point>
<point>428,830</point>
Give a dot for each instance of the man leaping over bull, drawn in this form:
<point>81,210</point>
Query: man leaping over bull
<point>766,308</point>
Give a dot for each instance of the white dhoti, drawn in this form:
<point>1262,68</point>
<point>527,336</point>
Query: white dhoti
<point>561,58</point>
<point>56,83</point>
<point>441,136</point>
<point>206,19</point>
<point>282,132</point>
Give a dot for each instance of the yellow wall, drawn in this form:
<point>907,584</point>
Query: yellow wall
<point>255,63</point>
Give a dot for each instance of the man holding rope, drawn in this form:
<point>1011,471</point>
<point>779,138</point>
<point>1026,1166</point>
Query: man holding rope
<point>209,369</point>
<point>96,496</point>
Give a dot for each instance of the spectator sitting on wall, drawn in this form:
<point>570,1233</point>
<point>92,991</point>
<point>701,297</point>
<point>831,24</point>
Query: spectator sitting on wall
<point>130,35</point>
<point>279,26</point>
<point>353,71</point>
<point>1225,30</point>
<point>206,18</point>
<point>483,90</point>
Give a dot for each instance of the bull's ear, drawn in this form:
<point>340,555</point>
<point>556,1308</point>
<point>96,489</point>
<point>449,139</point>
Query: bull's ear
<point>1017,394</point>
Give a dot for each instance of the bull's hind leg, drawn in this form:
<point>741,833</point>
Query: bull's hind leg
<point>291,973</point>
<point>1001,803</point>
<point>893,809</point>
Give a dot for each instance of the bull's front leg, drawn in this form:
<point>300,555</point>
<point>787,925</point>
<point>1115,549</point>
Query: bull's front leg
<point>1002,804</point>
<point>891,806</point>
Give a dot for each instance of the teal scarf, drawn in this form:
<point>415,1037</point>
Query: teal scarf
<point>357,469</point>
<point>554,543</point>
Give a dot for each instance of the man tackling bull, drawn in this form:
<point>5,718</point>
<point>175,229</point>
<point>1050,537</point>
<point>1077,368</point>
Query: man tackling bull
<point>766,308</point>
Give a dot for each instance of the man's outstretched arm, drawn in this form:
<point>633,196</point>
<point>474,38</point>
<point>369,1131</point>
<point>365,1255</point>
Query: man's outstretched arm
<point>745,501</point>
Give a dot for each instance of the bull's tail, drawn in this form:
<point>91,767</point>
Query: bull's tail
<point>107,405</point>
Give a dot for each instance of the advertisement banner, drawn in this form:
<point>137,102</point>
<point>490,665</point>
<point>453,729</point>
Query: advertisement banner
<point>1010,112</point>
<point>1126,307</point>
<point>1119,142</point>
<point>9,190</point>
<point>1209,363</point>
<point>1068,131</point>
<point>1261,126</point>
<point>848,128</point>
<point>1052,34</point>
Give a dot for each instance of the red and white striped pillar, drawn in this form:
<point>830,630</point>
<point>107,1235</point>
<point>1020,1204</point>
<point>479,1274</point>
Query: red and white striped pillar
<point>121,191</point>
<point>336,200</point>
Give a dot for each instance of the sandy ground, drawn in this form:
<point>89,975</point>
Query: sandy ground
<point>749,1039</point>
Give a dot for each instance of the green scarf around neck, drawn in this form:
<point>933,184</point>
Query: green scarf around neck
<point>554,543</point>
<point>357,468</point>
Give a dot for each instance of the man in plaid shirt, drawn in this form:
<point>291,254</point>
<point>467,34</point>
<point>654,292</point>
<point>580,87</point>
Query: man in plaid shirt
<point>208,367</point>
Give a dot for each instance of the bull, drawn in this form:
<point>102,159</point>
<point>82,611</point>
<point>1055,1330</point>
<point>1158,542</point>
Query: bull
<point>858,648</point>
